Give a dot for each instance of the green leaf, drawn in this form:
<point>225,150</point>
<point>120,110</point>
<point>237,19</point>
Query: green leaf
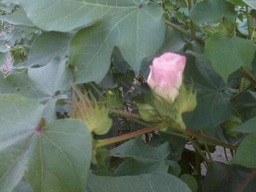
<point>143,157</point>
<point>19,117</point>
<point>22,187</point>
<point>247,127</point>
<point>56,157</point>
<point>18,17</point>
<point>138,150</point>
<point>135,167</point>
<point>91,48</point>
<point>21,84</point>
<point>47,46</point>
<point>190,181</point>
<point>213,100</point>
<point>160,182</point>
<point>245,154</point>
<point>228,54</point>
<point>69,15</point>
<point>245,105</point>
<point>61,157</point>
<point>222,178</point>
<point>52,77</point>
<point>251,3</point>
<point>212,11</point>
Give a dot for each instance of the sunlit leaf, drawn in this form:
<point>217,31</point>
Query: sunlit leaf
<point>91,48</point>
<point>52,157</point>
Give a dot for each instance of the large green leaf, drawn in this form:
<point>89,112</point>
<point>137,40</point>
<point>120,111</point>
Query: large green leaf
<point>251,3</point>
<point>228,54</point>
<point>19,116</point>
<point>67,15</point>
<point>137,33</point>
<point>61,157</point>
<point>160,182</point>
<point>53,157</point>
<point>213,101</point>
<point>245,154</point>
<point>212,11</point>
<point>47,46</point>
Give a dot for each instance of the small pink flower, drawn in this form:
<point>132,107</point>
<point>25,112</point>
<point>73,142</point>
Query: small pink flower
<point>166,73</point>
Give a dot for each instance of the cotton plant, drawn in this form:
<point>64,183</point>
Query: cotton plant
<point>170,97</point>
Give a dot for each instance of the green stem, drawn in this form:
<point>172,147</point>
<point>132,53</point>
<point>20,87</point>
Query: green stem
<point>248,22</point>
<point>185,32</point>
<point>207,150</point>
<point>192,25</point>
<point>109,141</point>
<point>199,154</point>
<point>248,75</point>
<point>132,116</point>
<point>96,89</point>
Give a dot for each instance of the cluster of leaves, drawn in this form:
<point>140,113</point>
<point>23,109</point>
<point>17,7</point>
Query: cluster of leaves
<point>106,47</point>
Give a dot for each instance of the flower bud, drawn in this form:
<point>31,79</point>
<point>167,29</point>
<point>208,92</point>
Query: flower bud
<point>166,74</point>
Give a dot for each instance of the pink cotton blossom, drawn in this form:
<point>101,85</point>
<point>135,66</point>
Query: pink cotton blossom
<point>166,74</point>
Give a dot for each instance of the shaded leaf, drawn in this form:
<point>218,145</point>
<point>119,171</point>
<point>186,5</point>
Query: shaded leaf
<point>138,150</point>
<point>136,167</point>
<point>212,11</point>
<point>213,103</point>
<point>143,157</point>
<point>228,54</point>
<point>247,127</point>
<point>160,182</point>
<point>222,178</point>
<point>245,154</point>
<point>190,181</point>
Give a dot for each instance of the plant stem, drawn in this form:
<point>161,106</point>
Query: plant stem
<point>109,141</point>
<point>197,148</point>
<point>192,25</point>
<point>245,183</point>
<point>180,29</point>
<point>124,114</point>
<point>248,75</point>
<point>96,89</point>
<point>132,116</point>
<point>248,22</point>
<point>209,140</point>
